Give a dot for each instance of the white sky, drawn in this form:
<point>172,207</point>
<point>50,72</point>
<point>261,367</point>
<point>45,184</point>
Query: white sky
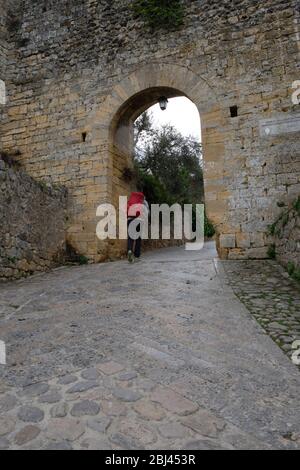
<point>180,113</point>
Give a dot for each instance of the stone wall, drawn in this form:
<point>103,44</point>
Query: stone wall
<point>32,224</point>
<point>4,44</point>
<point>78,65</point>
<point>287,236</point>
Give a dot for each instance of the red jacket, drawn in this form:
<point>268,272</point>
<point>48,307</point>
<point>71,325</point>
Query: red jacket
<point>135,205</point>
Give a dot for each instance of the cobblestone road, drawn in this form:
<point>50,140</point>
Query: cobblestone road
<point>158,355</point>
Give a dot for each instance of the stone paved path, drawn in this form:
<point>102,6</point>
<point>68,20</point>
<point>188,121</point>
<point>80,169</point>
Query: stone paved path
<point>159,355</point>
<point>271,296</point>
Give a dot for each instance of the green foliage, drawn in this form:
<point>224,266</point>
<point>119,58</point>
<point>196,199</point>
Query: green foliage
<point>82,260</point>
<point>175,161</point>
<point>291,268</point>
<point>43,185</point>
<point>296,274</point>
<point>272,251</point>
<point>283,219</point>
<point>153,189</point>
<point>272,229</point>
<point>293,271</point>
<point>209,229</point>
<point>166,14</point>
<point>73,256</point>
<point>297,205</point>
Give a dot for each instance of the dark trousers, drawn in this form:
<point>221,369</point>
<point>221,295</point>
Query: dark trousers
<point>134,245</point>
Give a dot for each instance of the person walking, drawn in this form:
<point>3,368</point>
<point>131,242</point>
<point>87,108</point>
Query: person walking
<point>137,208</point>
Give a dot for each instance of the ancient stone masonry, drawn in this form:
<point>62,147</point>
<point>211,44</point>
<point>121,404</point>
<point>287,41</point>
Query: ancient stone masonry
<point>286,233</point>
<point>79,72</point>
<point>32,224</point>
<point>4,44</point>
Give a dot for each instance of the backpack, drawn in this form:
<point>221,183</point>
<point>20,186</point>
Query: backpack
<point>136,199</point>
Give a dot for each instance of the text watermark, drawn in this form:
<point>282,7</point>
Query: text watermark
<point>176,222</point>
<point>2,353</point>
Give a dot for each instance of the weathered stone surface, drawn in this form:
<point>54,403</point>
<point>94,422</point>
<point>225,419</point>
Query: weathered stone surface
<point>51,397</point>
<point>96,444</point>
<point>30,414</point>
<point>27,434</point>
<point>7,425</point>
<point>204,444</point>
<point>287,235</point>
<point>125,442</point>
<point>173,431</point>
<point>30,212</point>
<point>7,403</point>
<point>126,376</point>
<point>90,374</point>
<point>113,408</point>
<point>65,429</point>
<point>251,388</point>
<point>149,411</point>
<point>4,443</point>
<point>82,387</point>
<point>204,423</point>
<point>227,241</point>
<point>270,296</point>
<point>67,380</point>
<point>136,431</point>
<point>110,368</point>
<point>63,445</point>
<point>85,408</point>
<point>173,402</point>
<point>60,410</point>
<point>36,390</point>
<point>100,425</point>
<point>126,394</point>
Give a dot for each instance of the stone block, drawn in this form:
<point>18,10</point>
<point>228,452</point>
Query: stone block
<point>228,241</point>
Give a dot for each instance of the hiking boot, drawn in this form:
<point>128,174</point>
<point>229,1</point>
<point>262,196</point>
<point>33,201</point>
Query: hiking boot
<point>130,257</point>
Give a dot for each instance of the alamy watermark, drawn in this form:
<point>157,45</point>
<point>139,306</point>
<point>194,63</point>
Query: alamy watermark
<point>296,353</point>
<point>167,222</point>
<point>2,353</point>
<point>2,92</point>
<point>296,93</point>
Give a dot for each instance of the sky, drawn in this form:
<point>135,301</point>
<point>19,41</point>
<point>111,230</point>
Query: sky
<point>182,114</point>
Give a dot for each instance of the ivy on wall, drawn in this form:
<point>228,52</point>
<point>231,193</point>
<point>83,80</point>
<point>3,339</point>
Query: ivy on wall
<point>166,14</point>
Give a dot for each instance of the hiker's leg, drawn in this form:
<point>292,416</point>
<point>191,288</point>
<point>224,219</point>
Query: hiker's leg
<point>130,240</point>
<point>138,248</point>
<point>138,244</point>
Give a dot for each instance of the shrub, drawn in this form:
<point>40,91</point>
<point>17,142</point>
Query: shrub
<point>272,229</point>
<point>209,229</point>
<point>272,252</point>
<point>297,205</point>
<point>83,260</point>
<point>296,274</point>
<point>160,13</point>
<point>291,268</point>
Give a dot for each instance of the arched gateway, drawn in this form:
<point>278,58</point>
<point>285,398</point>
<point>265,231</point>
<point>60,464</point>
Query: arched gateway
<point>75,83</point>
<point>111,129</point>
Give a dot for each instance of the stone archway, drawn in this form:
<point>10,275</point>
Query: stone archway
<point>112,123</point>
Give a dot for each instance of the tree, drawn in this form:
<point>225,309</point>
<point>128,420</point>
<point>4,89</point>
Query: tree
<point>174,160</point>
<point>168,165</point>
